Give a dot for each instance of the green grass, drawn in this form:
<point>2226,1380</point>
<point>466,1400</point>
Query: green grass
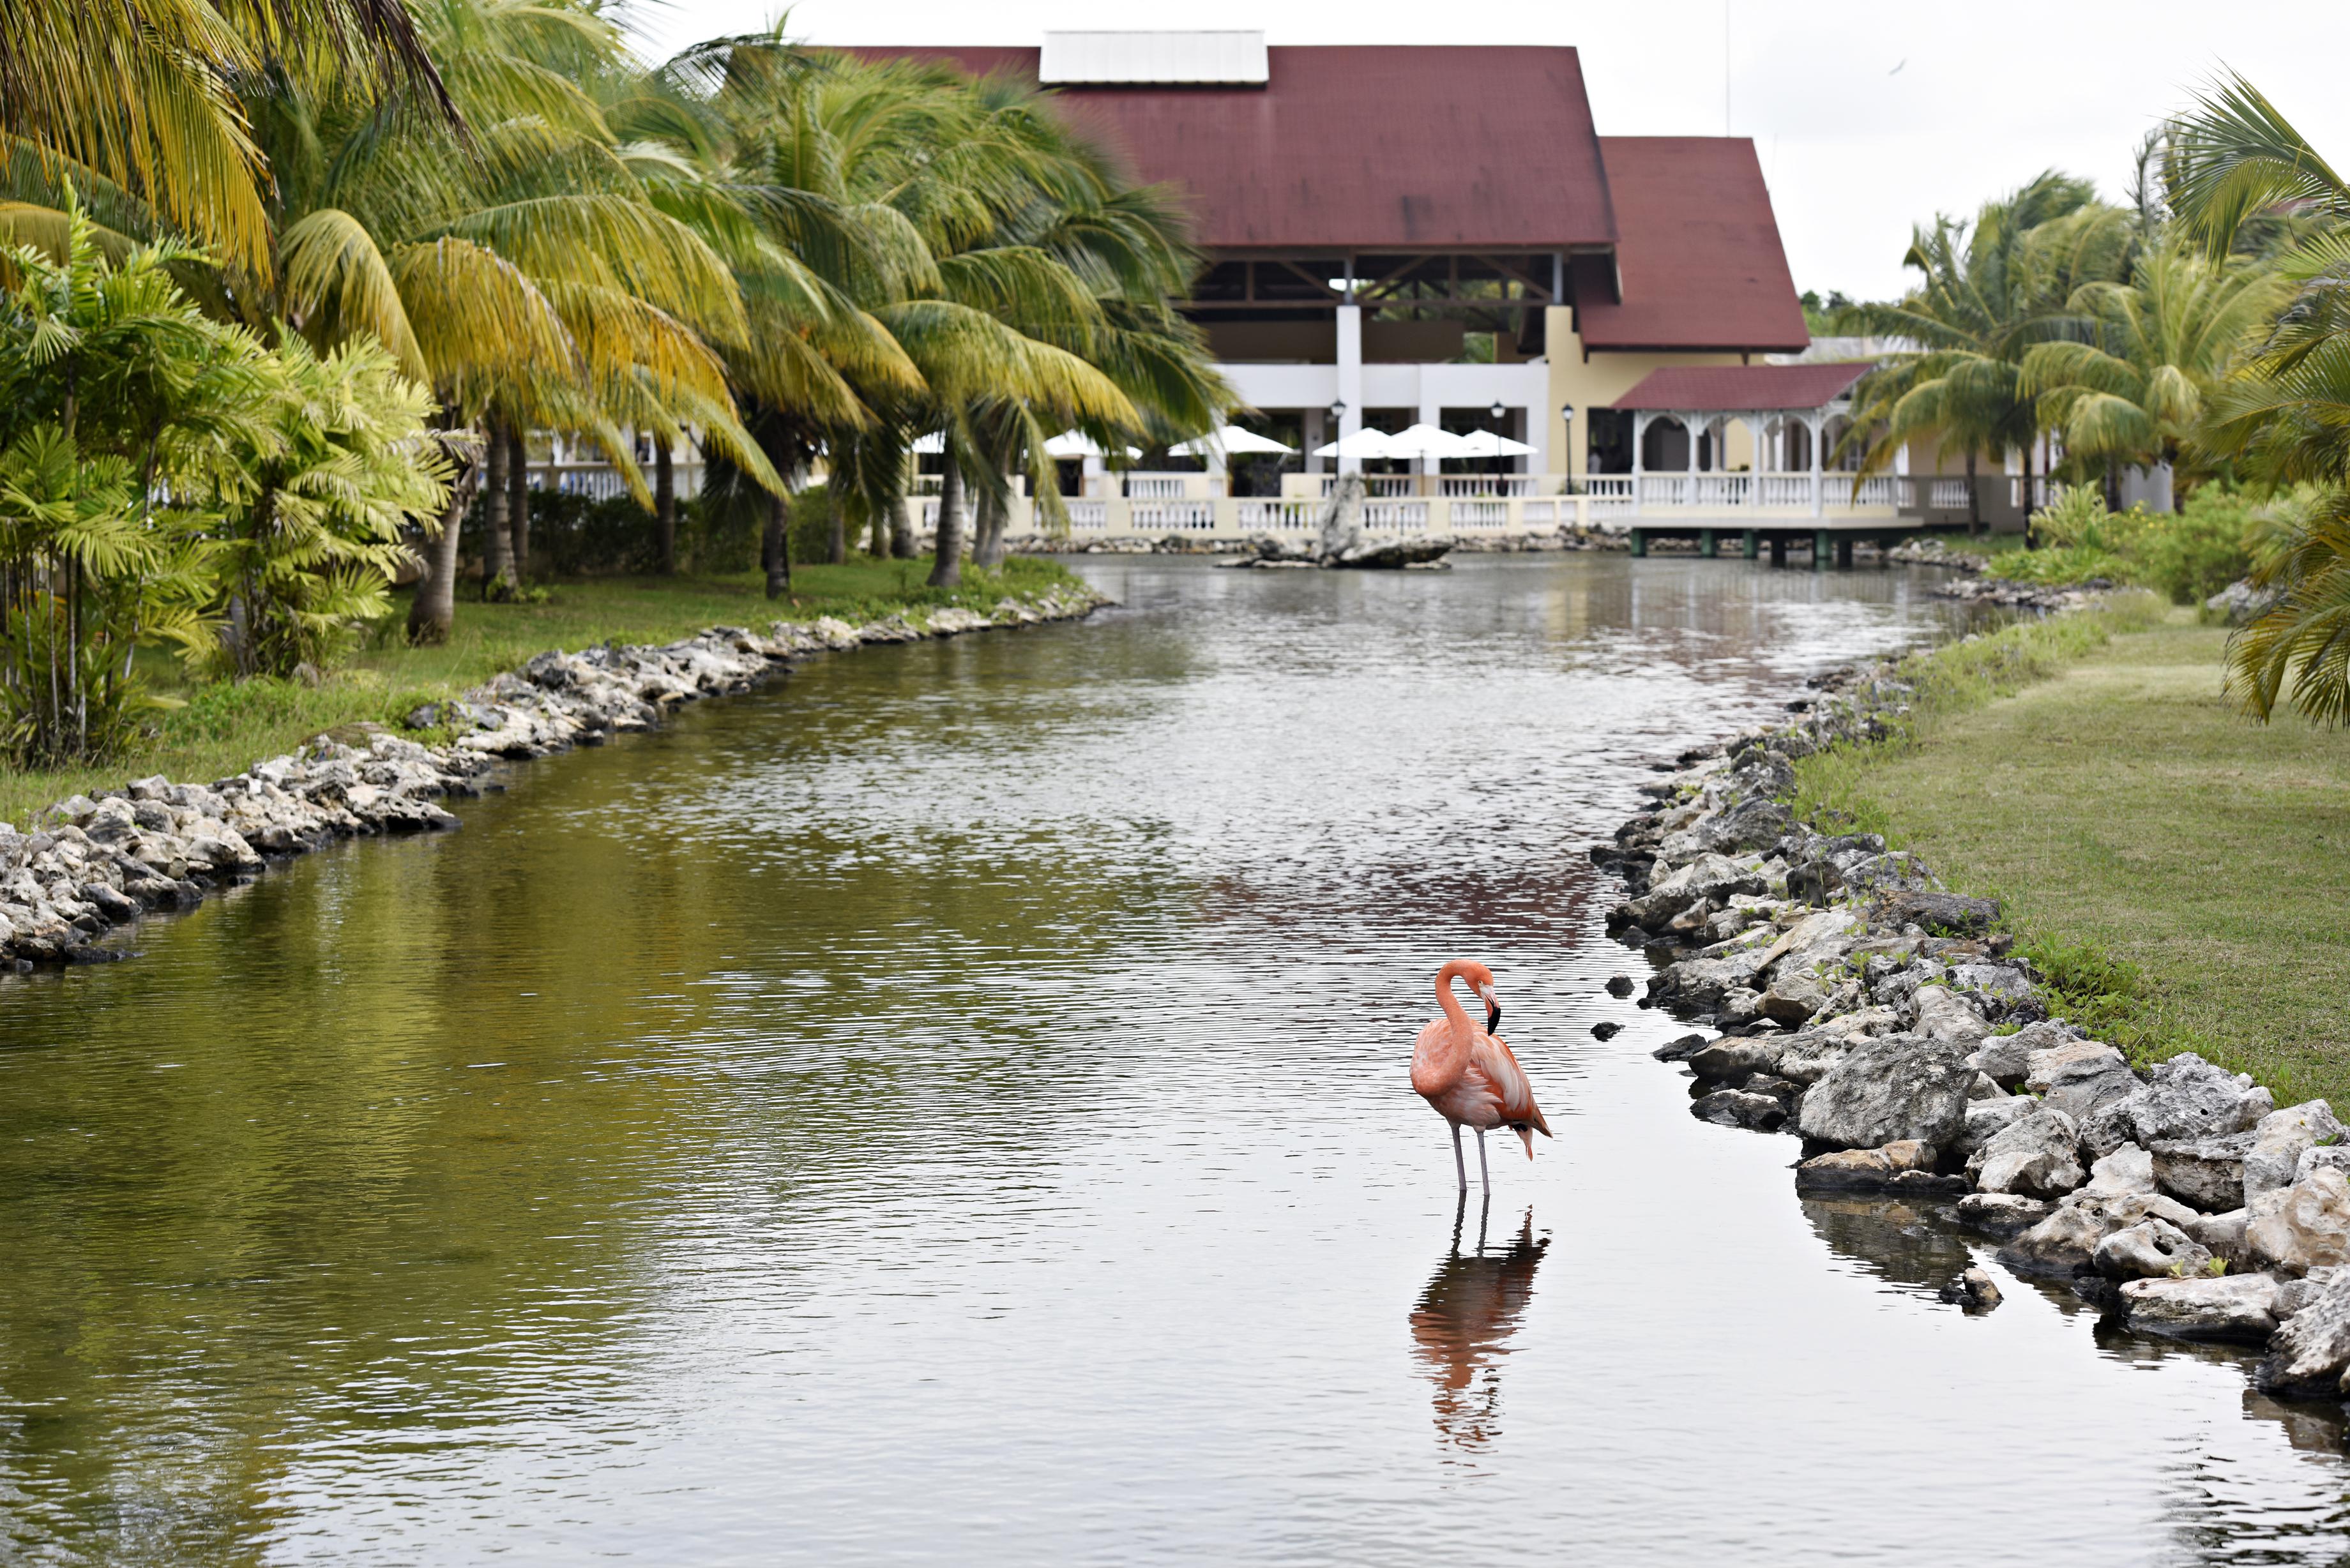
<point>2174,866</point>
<point>226,727</point>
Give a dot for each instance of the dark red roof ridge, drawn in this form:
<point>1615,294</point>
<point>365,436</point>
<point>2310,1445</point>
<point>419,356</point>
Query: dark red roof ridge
<point>1739,389</point>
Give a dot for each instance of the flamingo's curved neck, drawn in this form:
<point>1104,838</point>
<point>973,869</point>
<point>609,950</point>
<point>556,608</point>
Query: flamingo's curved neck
<point>1444,979</point>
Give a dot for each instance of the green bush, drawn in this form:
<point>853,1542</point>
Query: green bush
<point>2199,549</point>
<point>2187,556</point>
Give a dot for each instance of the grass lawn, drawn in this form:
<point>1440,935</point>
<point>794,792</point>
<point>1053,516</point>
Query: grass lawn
<point>226,727</point>
<point>2174,865</point>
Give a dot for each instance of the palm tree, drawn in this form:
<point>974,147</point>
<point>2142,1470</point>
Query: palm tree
<point>1990,290</point>
<point>143,94</point>
<point>2285,416</point>
<point>2134,389</point>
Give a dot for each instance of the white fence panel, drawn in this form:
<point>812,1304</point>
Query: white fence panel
<point>1183,516</point>
<point>1400,516</point>
<point>1285,516</point>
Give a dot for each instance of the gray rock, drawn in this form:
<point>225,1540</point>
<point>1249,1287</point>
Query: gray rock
<point>1983,1086</point>
<point>1976,1289</point>
<point>2295,1294</point>
<point>2281,1139</point>
<point>1681,1050</point>
<point>1793,998</point>
<point>2008,1058</point>
<point>1941,1015</point>
<point>1896,1087</point>
<point>1944,914</point>
<point>1737,1108</point>
<point>2334,1156</point>
<point>1734,1058</point>
<point>2224,1234</point>
<point>2229,1306</point>
<point>2001,1214</point>
<point>2063,1243</point>
<point>2151,1249</point>
<point>2128,1170</point>
<point>1986,1119</point>
<point>1806,1058</point>
<point>2207,1172</point>
<point>2309,1353</point>
<point>2292,1230</point>
<point>2083,1080</point>
<point>1707,877</point>
<point>2033,1155</point>
<point>1845,1170</point>
<point>1997,990</point>
<point>1897,872</point>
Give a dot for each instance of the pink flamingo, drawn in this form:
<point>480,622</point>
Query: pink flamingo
<point>1469,1075</point>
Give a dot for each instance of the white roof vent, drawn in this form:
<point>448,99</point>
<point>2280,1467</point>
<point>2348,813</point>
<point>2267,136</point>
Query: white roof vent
<point>1198,58</point>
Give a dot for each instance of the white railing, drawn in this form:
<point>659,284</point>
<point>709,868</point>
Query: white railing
<point>1154,487</point>
<point>1724,490</point>
<point>1287,516</point>
<point>1879,490</point>
<point>1402,517</point>
<point>1481,513</point>
<point>2043,491</point>
<point>1543,513</point>
<point>1611,493</point>
<point>1184,516</point>
<point>1949,495</point>
<point>1469,486</point>
<point>602,482</point>
<point>1664,490</point>
<point>1093,515</point>
<point>1784,489</point>
<point>928,483</point>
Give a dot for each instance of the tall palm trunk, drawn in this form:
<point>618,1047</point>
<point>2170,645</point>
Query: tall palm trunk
<point>433,611</point>
<point>2028,543</point>
<point>988,548</point>
<point>498,540</point>
<point>778,549</point>
<point>1974,498</point>
<point>901,528</point>
<point>665,505</point>
<point>518,499</point>
<point>946,567</point>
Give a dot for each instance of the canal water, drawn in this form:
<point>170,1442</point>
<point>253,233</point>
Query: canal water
<point>952,1107</point>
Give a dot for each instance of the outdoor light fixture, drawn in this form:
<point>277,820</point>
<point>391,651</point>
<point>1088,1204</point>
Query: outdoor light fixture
<point>1498,409</point>
<point>1338,410</point>
<point>1566,412</point>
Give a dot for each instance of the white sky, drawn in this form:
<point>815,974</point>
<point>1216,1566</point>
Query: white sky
<point>1984,96</point>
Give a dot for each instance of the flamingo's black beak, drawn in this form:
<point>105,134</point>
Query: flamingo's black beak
<point>1492,1010</point>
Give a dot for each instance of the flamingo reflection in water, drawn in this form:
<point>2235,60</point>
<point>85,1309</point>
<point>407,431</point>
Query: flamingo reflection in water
<point>1462,1321</point>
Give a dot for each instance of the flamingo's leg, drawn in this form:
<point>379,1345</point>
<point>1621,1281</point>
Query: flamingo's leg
<point>1483,1175</point>
<point>1460,1165</point>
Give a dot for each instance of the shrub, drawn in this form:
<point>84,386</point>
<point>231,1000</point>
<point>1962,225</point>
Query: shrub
<point>2199,549</point>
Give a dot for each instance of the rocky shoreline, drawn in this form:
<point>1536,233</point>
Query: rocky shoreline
<point>89,864</point>
<point>1854,1002</point>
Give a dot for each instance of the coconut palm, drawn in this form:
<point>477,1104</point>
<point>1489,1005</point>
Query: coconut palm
<point>2285,416</point>
<point>1989,291</point>
<point>2133,390</point>
<point>143,94</point>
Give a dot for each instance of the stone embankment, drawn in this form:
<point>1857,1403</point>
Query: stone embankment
<point>1856,1002</point>
<point>89,864</point>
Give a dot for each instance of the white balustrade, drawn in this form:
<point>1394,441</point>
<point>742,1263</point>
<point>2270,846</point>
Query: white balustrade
<point>1879,490</point>
<point>1183,516</point>
<point>1285,516</point>
<point>1093,515</point>
<point>1949,495</point>
<point>1611,493</point>
<point>1664,490</point>
<point>1399,516</point>
<point>1784,489</point>
<point>1154,487</point>
<point>1470,486</point>
<point>1481,513</point>
<point>1541,513</point>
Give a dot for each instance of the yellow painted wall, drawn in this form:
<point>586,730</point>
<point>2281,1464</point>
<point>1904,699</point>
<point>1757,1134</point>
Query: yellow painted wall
<point>1601,380</point>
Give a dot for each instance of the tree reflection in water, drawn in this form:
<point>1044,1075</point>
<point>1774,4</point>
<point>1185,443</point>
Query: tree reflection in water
<point>1463,1319</point>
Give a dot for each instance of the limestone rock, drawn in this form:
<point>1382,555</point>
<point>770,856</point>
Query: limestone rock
<point>2079,1076</point>
<point>1896,1087</point>
<point>1737,1108</point>
<point>1734,1059</point>
<point>2033,1155</point>
<point>1805,1058</point>
<point>2280,1140</point>
<point>1792,999</point>
<point>2184,1097</point>
<point>2308,1354</point>
<point>2229,1306</point>
<point>2151,1249</point>
<point>2001,1214</point>
<point>2008,1058</point>
<point>2128,1170</point>
<point>2292,1230</point>
<point>1977,1290</point>
<point>1845,1170</point>
<point>2208,1172</point>
<point>1943,914</point>
<point>1941,1015</point>
<point>2295,1294</point>
<point>2223,1234</point>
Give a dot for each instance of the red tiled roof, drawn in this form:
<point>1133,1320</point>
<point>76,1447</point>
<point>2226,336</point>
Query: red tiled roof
<point>1359,148</point>
<point>1697,250</point>
<point>1734,388</point>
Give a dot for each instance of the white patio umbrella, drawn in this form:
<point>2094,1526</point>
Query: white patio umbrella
<point>1077,443</point>
<point>1364,442</point>
<point>1427,442</point>
<point>932,444</point>
<point>1232,441</point>
<point>1486,444</point>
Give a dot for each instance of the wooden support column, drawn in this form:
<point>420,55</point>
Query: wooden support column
<point>1819,549</point>
<point>1640,542</point>
<point>1778,549</point>
<point>1844,552</point>
<point>1705,545</point>
<point>1752,541</point>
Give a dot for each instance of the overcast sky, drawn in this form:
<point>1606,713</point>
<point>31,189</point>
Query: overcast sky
<point>1867,116</point>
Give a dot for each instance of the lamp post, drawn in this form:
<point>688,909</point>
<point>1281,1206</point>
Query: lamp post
<point>1566,412</point>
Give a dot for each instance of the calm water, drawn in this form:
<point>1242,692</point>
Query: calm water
<point>952,1108</point>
